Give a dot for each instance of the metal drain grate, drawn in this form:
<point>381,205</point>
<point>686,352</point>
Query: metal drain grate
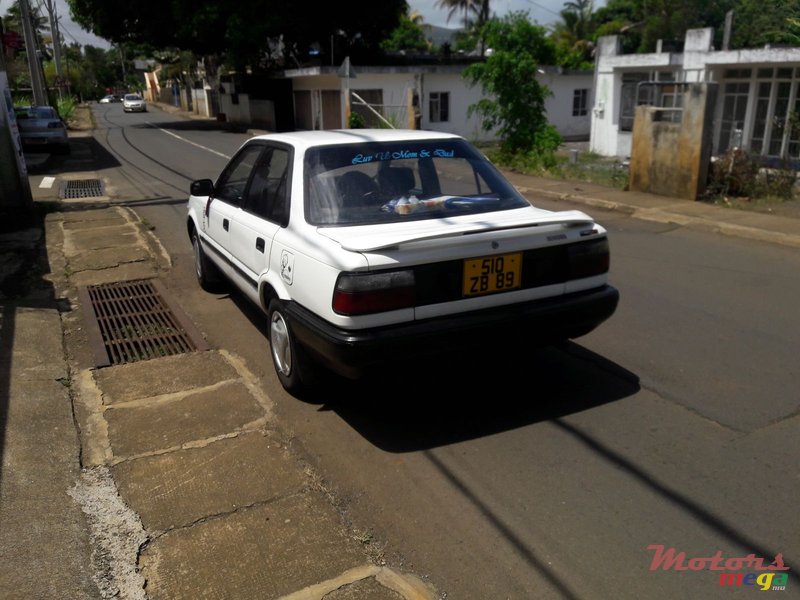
<point>82,188</point>
<point>136,320</point>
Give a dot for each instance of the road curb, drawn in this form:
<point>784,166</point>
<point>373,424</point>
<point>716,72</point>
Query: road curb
<point>662,215</point>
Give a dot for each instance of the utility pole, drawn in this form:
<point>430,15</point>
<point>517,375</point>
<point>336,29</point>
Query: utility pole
<point>31,49</point>
<point>51,11</point>
<point>122,63</point>
<point>15,191</point>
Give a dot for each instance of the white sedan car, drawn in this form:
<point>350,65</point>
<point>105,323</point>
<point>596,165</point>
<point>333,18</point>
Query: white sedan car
<point>133,103</point>
<point>369,246</point>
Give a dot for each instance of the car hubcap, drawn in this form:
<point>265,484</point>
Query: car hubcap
<point>198,261</point>
<point>279,340</point>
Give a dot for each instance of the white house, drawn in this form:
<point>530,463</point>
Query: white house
<point>432,97</point>
<point>757,102</point>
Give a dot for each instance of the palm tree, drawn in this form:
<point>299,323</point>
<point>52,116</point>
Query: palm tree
<point>479,9</point>
<point>12,20</point>
<point>581,11</point>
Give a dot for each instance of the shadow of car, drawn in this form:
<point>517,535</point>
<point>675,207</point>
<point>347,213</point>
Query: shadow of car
<point>40,127</point>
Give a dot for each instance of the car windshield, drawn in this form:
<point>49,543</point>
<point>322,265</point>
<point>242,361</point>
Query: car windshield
<point>132,97</point>
<point>386,182</point>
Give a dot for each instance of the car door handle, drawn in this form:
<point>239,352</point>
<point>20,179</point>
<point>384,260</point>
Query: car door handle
<point>225,224</point>
<point>260,245</point>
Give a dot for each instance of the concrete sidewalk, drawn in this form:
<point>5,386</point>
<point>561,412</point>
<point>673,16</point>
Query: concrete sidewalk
<point>169,477</point>
<point>162,478</point>
<point>783,228</point>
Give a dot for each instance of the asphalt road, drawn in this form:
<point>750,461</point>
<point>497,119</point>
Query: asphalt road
<point>542,473</point>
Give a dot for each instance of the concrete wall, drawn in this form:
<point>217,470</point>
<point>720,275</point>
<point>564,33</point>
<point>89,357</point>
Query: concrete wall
<point>262,112</point>
<point>200,104</point>
<point>235,106</point>
<point>559,105</point>
<point>395,86</point>
<point>672,159</point>
<point>461,97</point>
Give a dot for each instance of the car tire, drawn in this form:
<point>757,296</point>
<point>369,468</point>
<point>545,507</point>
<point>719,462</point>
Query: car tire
<point>295,369</point>
<point>208,276</point>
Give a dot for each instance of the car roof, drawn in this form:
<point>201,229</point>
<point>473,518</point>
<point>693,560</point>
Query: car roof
<point>308,139</point>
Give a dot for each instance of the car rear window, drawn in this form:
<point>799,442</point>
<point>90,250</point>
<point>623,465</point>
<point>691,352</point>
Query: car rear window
<point>371,183</point>
<point>37,112</point>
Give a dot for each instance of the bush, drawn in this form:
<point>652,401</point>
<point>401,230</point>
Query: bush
<point>734,174</point>
<point>738,174</point>
<point>776,183</point>
<point>66,107</point>
<point>356,121</point>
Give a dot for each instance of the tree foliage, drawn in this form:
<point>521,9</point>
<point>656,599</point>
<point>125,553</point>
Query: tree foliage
<point>247,32</point>
<point>764,22</point>
<point>643,22</point>
<point>408,36</point>
<point>514,102</point>
<point>573,35</point>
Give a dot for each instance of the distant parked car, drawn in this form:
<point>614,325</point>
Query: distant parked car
<point>109,99</point>
<point>41,127</point>
<point>378,246</point>
<point>133,103</point>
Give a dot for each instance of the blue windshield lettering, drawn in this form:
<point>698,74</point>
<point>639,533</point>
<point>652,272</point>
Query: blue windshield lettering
<point>360,159</point>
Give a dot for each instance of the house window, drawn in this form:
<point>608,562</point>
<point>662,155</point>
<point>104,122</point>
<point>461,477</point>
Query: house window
<point>636,91</point>
<point>579,102</point>
<point>440,107</point>
<point>628,100</point>
<point>734,109</point>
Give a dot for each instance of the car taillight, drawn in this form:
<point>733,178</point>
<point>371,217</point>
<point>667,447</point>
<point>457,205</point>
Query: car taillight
<point>588,259</point>
<point>364,293</point>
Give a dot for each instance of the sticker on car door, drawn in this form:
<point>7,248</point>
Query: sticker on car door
<point>287,266</point>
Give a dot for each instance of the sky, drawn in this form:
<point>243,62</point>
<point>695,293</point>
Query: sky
<point>543,12</point>
<point>69,29</point>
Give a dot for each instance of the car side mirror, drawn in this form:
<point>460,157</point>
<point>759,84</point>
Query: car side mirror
<point>202,187</point>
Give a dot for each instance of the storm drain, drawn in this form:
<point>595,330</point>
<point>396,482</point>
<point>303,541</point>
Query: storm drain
<point>82,188</point>
<point>129,321</point>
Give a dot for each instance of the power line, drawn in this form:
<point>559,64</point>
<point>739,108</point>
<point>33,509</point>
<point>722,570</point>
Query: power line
<point>67,31</point>
<point>537,5</point>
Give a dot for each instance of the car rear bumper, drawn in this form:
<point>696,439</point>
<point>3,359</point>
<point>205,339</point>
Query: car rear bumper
<point>351,352</point>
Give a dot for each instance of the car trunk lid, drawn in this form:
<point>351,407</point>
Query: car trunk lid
<point>369,238</point>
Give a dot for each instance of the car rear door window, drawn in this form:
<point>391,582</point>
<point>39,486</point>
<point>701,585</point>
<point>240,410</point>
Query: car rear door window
<point>268,194</point>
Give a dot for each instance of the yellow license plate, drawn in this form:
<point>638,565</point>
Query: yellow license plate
<point>489,274</point>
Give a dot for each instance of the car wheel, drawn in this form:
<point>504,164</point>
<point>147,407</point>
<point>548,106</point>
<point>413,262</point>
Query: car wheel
<point>208,275</point>
<point>295,369</point>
